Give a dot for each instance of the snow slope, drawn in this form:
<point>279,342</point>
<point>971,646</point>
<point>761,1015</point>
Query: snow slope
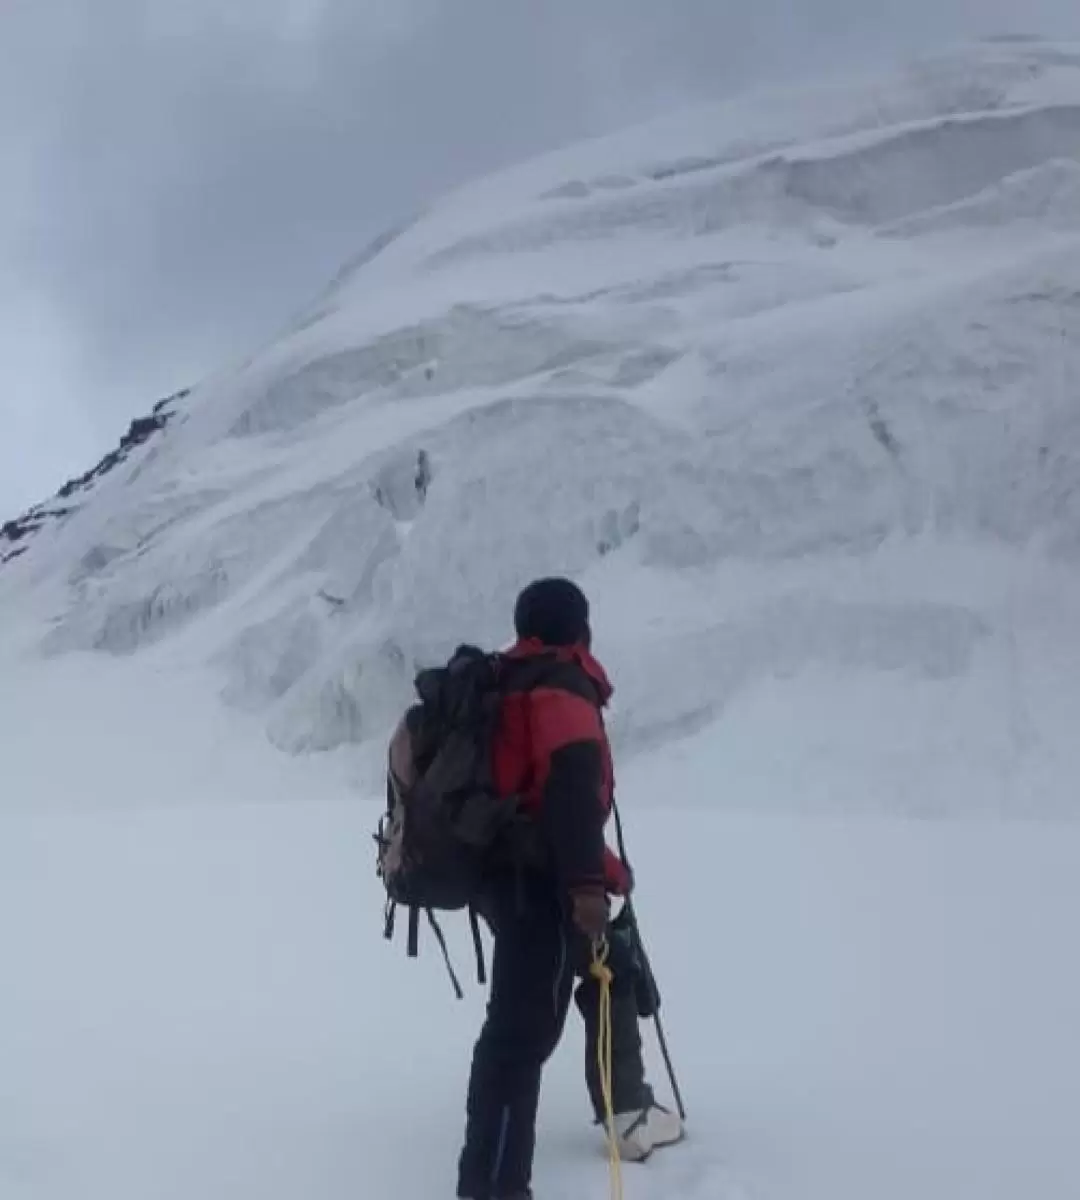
<point>808,325</point>
<point>790,384</point>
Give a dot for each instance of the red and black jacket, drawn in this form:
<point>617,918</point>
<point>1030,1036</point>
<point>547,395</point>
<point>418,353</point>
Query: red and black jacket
<point>552,750</point>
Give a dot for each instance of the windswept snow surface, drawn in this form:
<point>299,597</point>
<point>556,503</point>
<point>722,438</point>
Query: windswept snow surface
<point>790,384</point>
<point>197,1002</point>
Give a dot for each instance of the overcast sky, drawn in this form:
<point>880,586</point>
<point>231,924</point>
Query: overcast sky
<point>178,176</point>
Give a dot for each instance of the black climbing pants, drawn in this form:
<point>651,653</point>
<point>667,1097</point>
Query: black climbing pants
<point>537,958</point>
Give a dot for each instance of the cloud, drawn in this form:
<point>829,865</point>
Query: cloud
<point>179,177</point>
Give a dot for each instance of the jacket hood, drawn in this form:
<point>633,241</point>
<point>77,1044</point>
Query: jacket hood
<point>580,654</point>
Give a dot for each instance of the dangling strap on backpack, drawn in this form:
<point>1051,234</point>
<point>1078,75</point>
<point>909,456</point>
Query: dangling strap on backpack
<point>440,937</point>
<point>478,945</point>
<point>412,945</point>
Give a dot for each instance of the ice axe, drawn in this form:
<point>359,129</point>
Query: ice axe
<point>648,989</point>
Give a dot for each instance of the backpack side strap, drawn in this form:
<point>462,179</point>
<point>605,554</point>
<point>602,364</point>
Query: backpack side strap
<point>436,928</point>
<point>474,925</point>
<point>412,944</point>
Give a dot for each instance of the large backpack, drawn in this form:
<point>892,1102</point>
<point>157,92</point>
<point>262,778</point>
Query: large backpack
<point>444,831</point>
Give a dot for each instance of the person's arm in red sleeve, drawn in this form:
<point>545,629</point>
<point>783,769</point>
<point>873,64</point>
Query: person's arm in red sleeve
<point>567,744</point>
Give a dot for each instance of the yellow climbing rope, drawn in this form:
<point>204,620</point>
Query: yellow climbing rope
<point>601,972</point>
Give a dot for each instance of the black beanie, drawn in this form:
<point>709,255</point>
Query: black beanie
<point>553,611</point>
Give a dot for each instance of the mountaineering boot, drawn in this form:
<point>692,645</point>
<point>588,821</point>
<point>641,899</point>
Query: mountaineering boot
<point>648,1129</point>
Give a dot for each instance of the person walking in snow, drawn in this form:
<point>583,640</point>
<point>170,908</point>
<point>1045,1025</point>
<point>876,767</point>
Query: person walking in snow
<point>553,750</point>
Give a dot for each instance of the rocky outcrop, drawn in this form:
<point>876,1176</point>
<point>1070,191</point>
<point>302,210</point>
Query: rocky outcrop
<point>16,534</point>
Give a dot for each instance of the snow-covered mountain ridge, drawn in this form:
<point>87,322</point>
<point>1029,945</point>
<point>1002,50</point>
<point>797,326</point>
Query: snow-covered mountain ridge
<point>790,382</point>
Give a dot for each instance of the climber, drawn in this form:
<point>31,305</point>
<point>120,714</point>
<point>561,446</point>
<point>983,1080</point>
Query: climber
<point>552,748</point>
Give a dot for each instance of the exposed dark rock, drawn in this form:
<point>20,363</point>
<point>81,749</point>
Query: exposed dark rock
<point>423,475</point>
<point>141,430</point>
<point>401,486</point>
<point>173,399</point>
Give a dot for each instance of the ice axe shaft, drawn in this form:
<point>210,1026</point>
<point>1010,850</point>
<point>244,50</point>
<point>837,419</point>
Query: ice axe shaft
<point>661,1036</point>
<point>666,1055</point>
<point>635,932</point>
